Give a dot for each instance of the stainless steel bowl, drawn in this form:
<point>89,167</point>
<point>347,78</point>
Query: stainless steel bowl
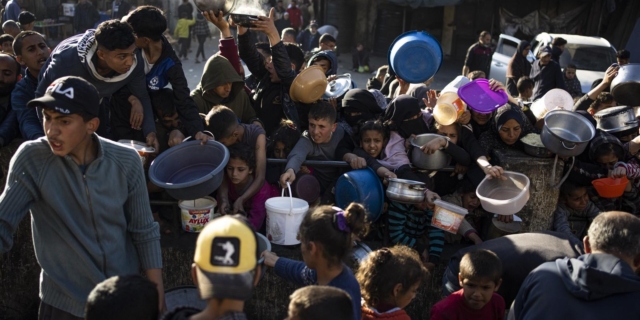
<point>438,160</point>
<point>225,6</point>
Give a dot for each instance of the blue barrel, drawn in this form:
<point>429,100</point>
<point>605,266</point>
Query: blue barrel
<point>362,186</point>
<point>415,56</point>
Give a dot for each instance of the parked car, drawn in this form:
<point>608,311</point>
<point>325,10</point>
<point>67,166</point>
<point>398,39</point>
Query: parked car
<point>591,55</point>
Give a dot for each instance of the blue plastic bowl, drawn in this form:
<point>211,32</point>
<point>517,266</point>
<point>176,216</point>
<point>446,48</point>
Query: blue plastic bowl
<point>361,186</point>
<point>415,56</point>
<point>189,170</point>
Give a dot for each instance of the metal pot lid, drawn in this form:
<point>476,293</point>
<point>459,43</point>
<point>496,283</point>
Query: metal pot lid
<point>613,111</point>
<point>138,145</point>
<point>338,87</point>
<point>410,182</point>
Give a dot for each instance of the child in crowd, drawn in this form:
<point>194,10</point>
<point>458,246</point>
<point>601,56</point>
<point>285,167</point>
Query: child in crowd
<point>27,20</point>
<point>571,81</point>
<point>326,60</point>
<point>281,143</point>
<point>360,59</point>
<point>326,238</point>
<point>225,269</point>
<point>31,51</point>
<point>480,277</point>
<point>389,280</point>
<point>239,175</point>
<point>181,32</point>
<point>11,27</point>
<point>574,212</point>
<point>320,142</point>
<point>446,182</point>
<point>327,42</point>
<point>476,74</point>
<point>223,123</point>
<point>130,297</point>
<point>465,197</point>
<point>525,92</point>
<point>320,303</point>
<point>6,41</point>
<point>170,129</point>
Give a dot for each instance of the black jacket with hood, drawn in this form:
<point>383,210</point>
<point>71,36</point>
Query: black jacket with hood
<point>272,100</point>
<point>593,286</point>
<point>329,55</point>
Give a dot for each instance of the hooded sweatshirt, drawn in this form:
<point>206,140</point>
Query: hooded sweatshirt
<point>331,56</point>
<point>217,72</point>
<point>72,57</point>
<point>593,286</point>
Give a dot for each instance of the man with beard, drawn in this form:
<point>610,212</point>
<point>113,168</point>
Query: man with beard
<point>604,283</point>
<point>108,59</point>
<point>9,75</point>
<point>479,55</point>
<point>88,201</point>
<point>546,74</point>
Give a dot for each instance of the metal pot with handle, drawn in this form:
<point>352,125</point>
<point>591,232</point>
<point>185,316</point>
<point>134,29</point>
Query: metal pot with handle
<point>566,134</point>
<point>625,87</point>
<point>226,6</point>
<point>406,191</point>
<point>616,119</point>
<point>435,161</point>
<point>338,87</point>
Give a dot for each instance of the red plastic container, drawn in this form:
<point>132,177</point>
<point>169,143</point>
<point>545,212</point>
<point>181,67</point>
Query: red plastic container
<point>610,187</point>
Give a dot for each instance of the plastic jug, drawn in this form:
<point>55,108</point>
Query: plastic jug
<point>449,108</point>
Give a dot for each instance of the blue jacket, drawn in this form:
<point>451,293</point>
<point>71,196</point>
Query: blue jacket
<point>11,11</point>
<point>72,57</point>
<point>29,123</point>
<point>298,273</point>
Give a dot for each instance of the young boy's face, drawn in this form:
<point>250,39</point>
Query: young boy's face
<point>7,48</point>
<point>238,171</point>
<point>320,130</point>
<point>170,121</point>
<point>323,63</point>
<point>577,200</point>
<point>478,292</point>
<point>570,73</point>
<point>527,94</point>
<point>280,150</point>
<point>65,132</point>
<point>329,45</point>
<point>35,52</point>
<point>118,60</point>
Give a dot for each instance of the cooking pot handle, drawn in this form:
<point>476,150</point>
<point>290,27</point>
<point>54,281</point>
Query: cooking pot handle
<point>574,146</point>
<point>290,197</point>
<point>553,173</point>
<point>631,122</point>
<point>417,187</point>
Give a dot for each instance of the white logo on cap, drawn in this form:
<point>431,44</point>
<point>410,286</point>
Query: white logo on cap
<point>229,249</point>
<point>65,111</point>
<point>57,88</point>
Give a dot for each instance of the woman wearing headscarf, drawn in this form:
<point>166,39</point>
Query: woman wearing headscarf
<point>358,106</point>
<point>508,126</point>
<point>518,66</point>
<point>404,116</point>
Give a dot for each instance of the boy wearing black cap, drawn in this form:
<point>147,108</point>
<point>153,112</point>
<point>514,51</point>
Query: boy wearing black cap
<point>225,270</point>
<point>27,20</point>
<point>88,201</point>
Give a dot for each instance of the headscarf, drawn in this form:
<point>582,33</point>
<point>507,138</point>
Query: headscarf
<point>401,108</point>
<point>491,140</point>
<point>360,100</point>
<point>519,65</point>
<point>380,98</point>
<point>418,91</point>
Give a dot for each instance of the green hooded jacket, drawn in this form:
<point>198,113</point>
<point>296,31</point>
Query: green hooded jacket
<point>217,72</point>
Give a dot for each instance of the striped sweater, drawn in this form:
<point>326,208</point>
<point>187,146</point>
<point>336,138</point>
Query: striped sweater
<point>86,227</point>
<point>407,226</point>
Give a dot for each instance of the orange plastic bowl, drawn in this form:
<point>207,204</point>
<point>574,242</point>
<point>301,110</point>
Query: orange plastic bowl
<point>610,187</point>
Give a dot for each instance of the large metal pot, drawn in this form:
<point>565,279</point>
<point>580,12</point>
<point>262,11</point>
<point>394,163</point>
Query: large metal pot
<point>566,133</point>
<point>406,191</point>
<point>438,160</point>
<point>616,119</point>
<point>625,87</point>
<point>225,6</point>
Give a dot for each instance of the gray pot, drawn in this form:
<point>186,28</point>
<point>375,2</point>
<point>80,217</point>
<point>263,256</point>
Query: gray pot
<point>616,119</point>
<point>406,191</point>
<point>566,133</point>
<point>438,160</point>
<point>225,6</point>
<point>625,87</point>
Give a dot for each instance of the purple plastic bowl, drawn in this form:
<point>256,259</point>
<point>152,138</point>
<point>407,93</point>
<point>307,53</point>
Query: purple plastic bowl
<point>478,95</point>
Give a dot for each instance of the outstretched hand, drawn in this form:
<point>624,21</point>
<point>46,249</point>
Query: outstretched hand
<point>219,21</point>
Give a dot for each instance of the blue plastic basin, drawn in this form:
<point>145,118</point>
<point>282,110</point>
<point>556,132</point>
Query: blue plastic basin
<point>364,187</point>
<point>189,170</point>
<point>415,56</point>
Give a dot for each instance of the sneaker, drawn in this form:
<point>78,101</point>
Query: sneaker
<point>360,69</point>
<point>366,68</point>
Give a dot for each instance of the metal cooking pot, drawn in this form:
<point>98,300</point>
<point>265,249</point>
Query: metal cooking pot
<point>438,160</point>
<point>225,6</point>
<point>338,87</point>
<point>406,191</point>
<point>566,133</point>
<point>625,87</point>
<point>616,119</point>
<point>360,252</point>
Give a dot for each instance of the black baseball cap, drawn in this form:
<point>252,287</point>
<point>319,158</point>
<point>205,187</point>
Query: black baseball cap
<point>69,95</point>
<point>26,17</point>
<point>545,51</point>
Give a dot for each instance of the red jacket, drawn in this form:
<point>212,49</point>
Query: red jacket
<point>295,16</point>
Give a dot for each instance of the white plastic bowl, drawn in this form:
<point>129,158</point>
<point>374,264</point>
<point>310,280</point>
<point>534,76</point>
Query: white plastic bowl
<point>504,197</point>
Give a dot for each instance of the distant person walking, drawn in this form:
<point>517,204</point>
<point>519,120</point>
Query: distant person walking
<point>479,55</point>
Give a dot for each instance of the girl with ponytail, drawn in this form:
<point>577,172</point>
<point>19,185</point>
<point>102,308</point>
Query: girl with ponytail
<point>326,239</point>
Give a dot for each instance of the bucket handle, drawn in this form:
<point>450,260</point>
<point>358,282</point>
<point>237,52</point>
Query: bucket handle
<point>290,197</point>
<point>565,146</point>
<point>553,173</point>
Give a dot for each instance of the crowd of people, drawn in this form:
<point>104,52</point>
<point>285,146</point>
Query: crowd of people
<point>94,227</point>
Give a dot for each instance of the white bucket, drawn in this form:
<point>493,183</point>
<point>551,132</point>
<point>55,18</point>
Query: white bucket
<point>447,216</point>
<point>284,215</point>
<point>454,85</point>
<point>554,99</point>
<point>196,213</point>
